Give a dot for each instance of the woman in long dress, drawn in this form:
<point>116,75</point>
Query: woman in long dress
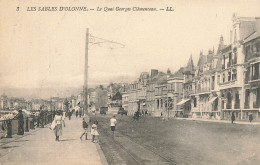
<point>57,124</point>
<point>94,131</point>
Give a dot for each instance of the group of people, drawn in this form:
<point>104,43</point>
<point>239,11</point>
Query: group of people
<point>93,131</point>
<point>139,113</point>
<point>233,117</point>
<point>59,122</point>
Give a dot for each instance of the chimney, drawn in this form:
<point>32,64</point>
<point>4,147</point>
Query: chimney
<point>154,72</point>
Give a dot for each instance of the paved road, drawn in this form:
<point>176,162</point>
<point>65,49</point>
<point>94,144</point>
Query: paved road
<point>191,142</point>
<point>40,147</point>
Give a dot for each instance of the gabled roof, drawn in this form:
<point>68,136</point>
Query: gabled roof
<point>253,36</point>
<point>190,65</point>
<point>178,73</point>
<point>202,60</point>
<point>247,27</point>
<point>117,96</point>
<point>157,77</point>
<point>162,80</point>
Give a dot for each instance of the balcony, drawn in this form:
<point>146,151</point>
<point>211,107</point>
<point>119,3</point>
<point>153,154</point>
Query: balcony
<point>187,93</point>
<point>142,97</point>
<point>203,90</point>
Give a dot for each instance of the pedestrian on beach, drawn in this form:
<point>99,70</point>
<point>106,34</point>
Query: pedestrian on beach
<point>85,127</point>
<point>233,117</point>
<point>20,123</point>
<point>94,131</point>
<point>113,123</point>
<point>56,125</point>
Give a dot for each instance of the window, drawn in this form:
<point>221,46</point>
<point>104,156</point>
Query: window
<point>247,98</point>
<point>223,62</point>
<point>234,74</point>
<point>213,83</point>
<point>218,79</point>
<point>237,101</point>
<point>229,59</point>
<point>195,102</point>
<point>257,46</point>
<point>248,52</point>
<point>223,77</point>
<point>229,76</point>
<point>235,58</point>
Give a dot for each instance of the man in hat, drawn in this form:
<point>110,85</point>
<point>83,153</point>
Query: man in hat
<point>20,123</point>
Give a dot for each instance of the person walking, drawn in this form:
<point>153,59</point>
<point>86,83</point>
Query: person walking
<point>77,113</point>
<point>233,117</point>
<point>20,123</point>
<point>56,125</point>
<point>250,117</point>
<point>94,131</point>
<point>70,114</point>
<point>85,127</point>
<point>41,116</point>
<point>113,123</point>
<point>80,112</point>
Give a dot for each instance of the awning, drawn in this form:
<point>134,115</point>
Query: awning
<point>182,102</point>
<point>212,99</point>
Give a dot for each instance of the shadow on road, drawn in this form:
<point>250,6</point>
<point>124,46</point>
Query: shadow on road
<point>67,139</point>
<point>21,140</point>
<point>8,147</point>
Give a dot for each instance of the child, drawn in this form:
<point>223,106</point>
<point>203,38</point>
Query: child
<point>94,131</point>
<point>85,127</point>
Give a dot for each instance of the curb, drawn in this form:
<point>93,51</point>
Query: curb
<point>101,154</point>
<point>220,121</point>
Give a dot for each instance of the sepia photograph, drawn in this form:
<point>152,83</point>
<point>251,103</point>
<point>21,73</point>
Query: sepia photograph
<point>130,82</point>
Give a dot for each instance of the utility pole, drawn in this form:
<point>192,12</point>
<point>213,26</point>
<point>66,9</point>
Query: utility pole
<point>85,88</point>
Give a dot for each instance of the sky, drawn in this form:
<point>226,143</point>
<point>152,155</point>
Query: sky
<point>47,49</point>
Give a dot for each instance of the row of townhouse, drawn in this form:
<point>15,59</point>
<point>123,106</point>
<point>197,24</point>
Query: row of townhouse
<point>158,93</point>
<point>227,81</point>
<point>223,82</point>
<point>11,103</point>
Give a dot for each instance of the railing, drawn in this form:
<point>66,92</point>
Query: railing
<point>186,93</point>
<point>10,126</point>
<point>202,90</point>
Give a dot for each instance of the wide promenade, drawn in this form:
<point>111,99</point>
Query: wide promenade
<point>180,141</point>
<point>39,147</point>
